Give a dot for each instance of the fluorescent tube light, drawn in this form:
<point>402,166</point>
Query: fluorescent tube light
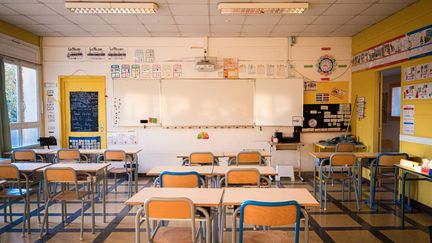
<point>262,8</point>
<point>112,7</point>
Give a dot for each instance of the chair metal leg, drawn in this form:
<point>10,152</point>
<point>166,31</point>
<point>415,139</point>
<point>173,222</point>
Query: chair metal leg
<point>10,210</point>
<point>62,212</point>
<point>325,195</point>
<point>24,218</point>
<point>137,224</point>
<point>45,219</point>
<point>395,185</point>
<point>65,211</point>
<point>356,193</point>
<point>5,210</point>
<point>38,201</point>
<point>115,183</point>
<point>343,189</point>
<point>349,190</point>
<point>82,221</point>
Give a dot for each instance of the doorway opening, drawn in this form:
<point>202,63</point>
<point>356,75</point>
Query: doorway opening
<point>390,109</point>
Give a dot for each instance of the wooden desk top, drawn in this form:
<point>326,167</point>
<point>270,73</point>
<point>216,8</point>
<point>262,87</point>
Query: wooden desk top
<point>30,167</point>
<point>207,170</point>
<point>201,197</point>
<point>411,169</point>
<point>39,151</point>
<point>82,167</point>
<point>5,161</point>
<point>236,196</point>
<point>101,151</point>
<point>328,146</point>
<point>326,155</point>
<point>225,154</point>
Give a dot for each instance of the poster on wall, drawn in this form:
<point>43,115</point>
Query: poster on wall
<point>135,71</point>
<point>96,53</point>
<point>414,44</point>
<point>408,126</point>
<point>167,71</point>
<point>417,91</point>
<point>145,71</point>
<point>177,71</point>
<point>251,69</point>
<point>260,69</point>
<point>281,70</point>
<point>338,92</point>
<point>117,53</point>
<point>115,71</point>
<point>75,53</point>
<point>149,55</point>
<point>125,71</point>
<point>270,70</point>
<point>310,86</point>
<point>230,66</point>
<point>139,55</point>
<point>156,71</point>
<point>408,111</point>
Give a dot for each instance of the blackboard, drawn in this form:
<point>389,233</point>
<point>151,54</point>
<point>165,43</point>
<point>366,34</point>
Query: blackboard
<point>326,117</point>
<point>84,111</point>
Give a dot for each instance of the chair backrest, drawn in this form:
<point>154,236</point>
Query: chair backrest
<point>341,159</point>
<point>169,208</point>
<point>190,179</point>
<point>58,175</point>
<point>9,172</point>
<point>242,176</point>
<point>68,156</point>
<point>270,214</point>
<point>23,155</point>
<point>201,158</point>
<point>390,159</point>
<point>114,155</point>
<point>345,147</point>
<point>248,158</point>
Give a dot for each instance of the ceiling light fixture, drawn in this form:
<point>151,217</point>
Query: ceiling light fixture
<point>262,8</point>
<point>112,7</point>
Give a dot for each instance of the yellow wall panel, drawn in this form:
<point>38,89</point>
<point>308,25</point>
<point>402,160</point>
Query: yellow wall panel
<point>13,31</point>
<point>339,93</point>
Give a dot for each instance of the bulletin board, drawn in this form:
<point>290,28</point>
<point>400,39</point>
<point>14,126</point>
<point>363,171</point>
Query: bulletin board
<point>326,117</point>
<point>323,92</point>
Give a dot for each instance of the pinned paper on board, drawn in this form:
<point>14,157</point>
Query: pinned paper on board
<point>156,71</point>
<point>139,55</point>
<point>177,71</point>
<point>408,111</point>
<point>96,53</point>
<point>270,70</point>
<point>251,69</point>
<point>145,71</point>
<point>122,138</point>
<point>260,69</point>
<point>167,71</point>
<point>281,70</point>
<point>135,71</point>
<point>115,71</point>
<point>75,53</point>
<point>149,55</point>
<point>242,68</point>
<point>310,86</point>
<point>125,70</point>
<point>230,66</point>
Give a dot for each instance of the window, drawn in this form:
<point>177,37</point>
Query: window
<point>22,97</point>
<point>395,101</point>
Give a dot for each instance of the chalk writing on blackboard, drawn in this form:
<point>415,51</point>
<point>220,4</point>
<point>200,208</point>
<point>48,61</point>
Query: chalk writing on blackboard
<point>84,111</point>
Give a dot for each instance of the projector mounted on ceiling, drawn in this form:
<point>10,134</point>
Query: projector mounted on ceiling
<point>262,8</point>
<point>205,64</point>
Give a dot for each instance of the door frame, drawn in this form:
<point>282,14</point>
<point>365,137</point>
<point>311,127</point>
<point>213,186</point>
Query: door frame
<point>63,132</point>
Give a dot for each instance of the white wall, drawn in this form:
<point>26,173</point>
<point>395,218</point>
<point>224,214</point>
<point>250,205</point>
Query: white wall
<point>160,146</point>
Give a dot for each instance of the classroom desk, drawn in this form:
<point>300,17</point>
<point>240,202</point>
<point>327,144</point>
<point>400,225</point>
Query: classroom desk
<point>322,146</point>
<point>406,171</point>
<point>229,155</point>
<point>41,152</point>
<point>29,168</point>
<point>289,146</point>
<point>132,152</point>
<point>236,196</point>
<point>95,170</point>
<point>210,171</point>
<point>201,197</point>
<point>319,156</point>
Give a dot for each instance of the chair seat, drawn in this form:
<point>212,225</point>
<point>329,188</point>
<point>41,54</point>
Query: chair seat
<point>69,195</point>
<point>268,236</point>
<point>173,234</point>
<point>12,193</point>
<point>120,170</point>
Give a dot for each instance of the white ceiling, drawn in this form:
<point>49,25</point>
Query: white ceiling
<point>200,18</point>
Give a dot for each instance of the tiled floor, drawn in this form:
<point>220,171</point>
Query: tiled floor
<point>339,223</point>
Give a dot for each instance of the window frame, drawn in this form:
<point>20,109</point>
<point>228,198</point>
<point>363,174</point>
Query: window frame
<point>392,86</point>
<point>20,125</point>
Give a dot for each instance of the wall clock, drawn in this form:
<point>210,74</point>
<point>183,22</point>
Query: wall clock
<point>326,65</point>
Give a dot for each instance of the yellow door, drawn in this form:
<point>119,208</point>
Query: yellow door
<point>83,111</point>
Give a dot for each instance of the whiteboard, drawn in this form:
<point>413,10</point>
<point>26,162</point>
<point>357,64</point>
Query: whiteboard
<point>135,100</point>
<point>207,102</point>
<point>278,101</point>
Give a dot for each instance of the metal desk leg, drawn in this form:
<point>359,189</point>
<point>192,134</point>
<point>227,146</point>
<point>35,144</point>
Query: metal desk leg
<point>314,177</point>
<point>215,216</point>
<point>320,186</point>
<point>104,187</point>
<point>92,202</point>
<point>136,172</point>
<point>403,200</point>
<point>306,225</point>
<point>137,224</point>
